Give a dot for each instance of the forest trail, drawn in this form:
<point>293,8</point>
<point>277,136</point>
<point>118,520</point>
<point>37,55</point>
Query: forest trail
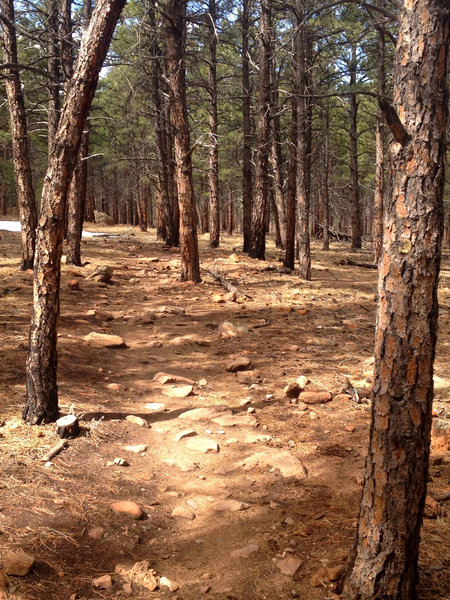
<point>252,493</point>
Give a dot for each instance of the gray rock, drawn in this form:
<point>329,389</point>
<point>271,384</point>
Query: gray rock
<point>183,512</point>
<point>288,465</point>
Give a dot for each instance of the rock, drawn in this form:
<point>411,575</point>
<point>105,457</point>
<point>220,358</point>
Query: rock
<point>136,449</point>
<point>318,397</point>
<point>128,508</point>
<point>170,310</point>
<point>292,348</point>
<point>319,578</point>
<point>164,378</point>
<point>183,512</point>
<point>178,392</point>
<point>313,415</point>
<point>230,297</point>
<point>230,330</point>
<point>202,444</point>
<point>249,377</point>
<point>245,552</point>
<point>96,533</point>
<point>302,381</point>
<point>289,566</point>
<point>121,462</point>
<point>440,435</point>
<point>191,338</point>
<point>197,414</point>
<point>103,340</point>
<point>230,441</point>
<point>235,420</point>
<point>292,390</point>
<point>155,406</point>
<point>140,573</point>
<point>127,589</point>
<point>229,506</point>
<point>168,583</point>
<point>343,397</point>
<point>137,420</point>
<point>335,573</point>
<point>101,274</point>
<point>254,438</point>
<point>103,583</point>
<point>184,464</point>
<point>350,428</point>
<point>242,363</point>
<point>98,315</point>
<point>17,563</point>
<point>251,409</point>
<point>288,465</point>
<point>115,387</point>
<point>218,299</point>
<point>184,434</point>
<point>431,508</point>
<point>73,285</point>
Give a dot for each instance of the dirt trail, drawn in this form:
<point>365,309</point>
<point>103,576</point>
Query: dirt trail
<point>262,484</point>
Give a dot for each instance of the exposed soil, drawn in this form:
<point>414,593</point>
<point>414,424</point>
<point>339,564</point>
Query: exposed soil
<point>323,330</point>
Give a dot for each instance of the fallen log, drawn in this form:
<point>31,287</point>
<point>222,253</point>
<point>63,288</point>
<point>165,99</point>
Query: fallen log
<point>354,263</point>
<point>55,450</point>
<point>226,283</point>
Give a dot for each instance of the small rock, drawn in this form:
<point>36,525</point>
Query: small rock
<point>292,347</point>
<point>431,508</point>
<point>98,315</point>
<point>136,449</point>
<point>170,310</point>
<point>313,415</point>
<point>319,397</point>
<point>126,507</point>
<point>121,462</point>
<point>335,573</point>
<point>141,573</point>
<point>235,420</point>
<point>218,299</point>
<point>288,465</point>
<point>103,583</point>
<point>254,438</point>
<point>302,381</point>
<point>183,512</point>
<point>249,377</point>
<point>230,330</point>
<point>350,428</point>
<point>103,340</point>
<point>17,563</point>
<point>230,441</point>
<point>178,392</point>
<point>202,444</point>
<point>251,409</point>
<point>96,533</point>
<point>234,257</point>
<point>230,297</point>
<point>168,583</point>
<point>73,285</point>
<point>229,506</point>
<point>137,420</point>
<point>343,397</point>
<point>155,406</point>
<point>184,434</point>
<point>114,387</point>
<point>245,552</point>
<point>245,401</point>
<point>242,363</point>
<point>289,566</point>
<point>292,390</point>
<point>168,378</point>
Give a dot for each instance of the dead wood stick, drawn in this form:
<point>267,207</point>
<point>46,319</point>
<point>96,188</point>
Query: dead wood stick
<point>225,283</point>
<point>354,263</point>
<point>55,450</point>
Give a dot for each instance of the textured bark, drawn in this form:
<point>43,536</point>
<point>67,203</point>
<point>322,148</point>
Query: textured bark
<point>377,222</point>
<point>213,173</point>
<point>19,137</point>
<point>261,199</point>
<point>42,389</point>
<point>277,164</point>
<point>383,564</point>
<point>354,174</point>
<point>324,182</point>
<point>4,200</point>
<point>175,28</point>
<point>52,8</point>
<point>247,198</point>
<point>289,258</point>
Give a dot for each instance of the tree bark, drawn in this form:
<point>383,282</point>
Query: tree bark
<point>213,173</point>
<point>175,28</point>
<point>383,563</point>
<point>289,258</point>
<point>4,199</point>
<point>42,389</point>
<point>246,130</point>
<point>277,163</point>
<point>261,199</point>
<point>324,182</point>
<point>54,70</point>
<point>377,222</point>
<point>354,175</point>
<point>19,137</point>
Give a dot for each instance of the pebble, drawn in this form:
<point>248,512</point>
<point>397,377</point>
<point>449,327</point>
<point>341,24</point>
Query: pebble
<point>136,449</point>
<point>251,409</point>
<point>302,381</point>
<point>137,420</point>
<point>245,401</point>
<point>103,583</point>
<point>313,415</point>
<point>343,397</point>
<point>17,563</point>
<point>289,566</point>
<point>104,340</point>
<point>318,397</point>
<point>164,378</point>
<point>73,285</point>
<point>126,507</point>
<point>155,406</point>
<point>350,428</point>
<point>121,462</point>
<point>168,583</point>
<point>242,363</point>
<point>98,315</point>
<point>183,512</point>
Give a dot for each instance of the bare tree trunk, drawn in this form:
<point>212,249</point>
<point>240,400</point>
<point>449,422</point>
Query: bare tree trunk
<point>213,173</point>
<point>4,199</point>
<point>19,137</point>
<point>354,174</point>
<point>277,163</point>
<point>383,563</point>
<point>230,213</point>
<point>289,259</point>
<point>90,206</point>
<point>42,389</point>
<point>247,200</point>
<point>261,199</point>
<point>54,69</point>
<point>175,29</point>
<point>377,222</point>
<point>324,182</point>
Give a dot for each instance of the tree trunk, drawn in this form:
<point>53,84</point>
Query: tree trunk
<point>175,29</point>
<point>383,563</point>
<point>277,163</point>
<point>261,199</point>
<point>246,130</point>
<point>19,137</point>
<point>230,213</point>
<point>354,175</point>
<point>54,70</point>
<point>289,258</point>
<point>213,173</point>
<point>324,182</point>
<point>4,199</point>
<point>42,389</point>
<point>377,222</point>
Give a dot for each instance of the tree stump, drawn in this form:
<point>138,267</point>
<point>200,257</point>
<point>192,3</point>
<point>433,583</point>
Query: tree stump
<point>68,427</point>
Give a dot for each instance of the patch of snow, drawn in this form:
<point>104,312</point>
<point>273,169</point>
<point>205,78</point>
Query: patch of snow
<point>15,227</point>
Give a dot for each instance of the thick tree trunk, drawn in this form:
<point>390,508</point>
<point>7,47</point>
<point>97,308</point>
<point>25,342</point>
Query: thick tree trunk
<point>42,389</point>
<point>261,199</point>
<point>383,564</point>
<point>377,222</point>
<point>76,200</point>
<point>324,182</point>
<point>175,28</point>
<point>289,258</point>
<point>246,130</point>
<point>354,173</point>
<point>54,69</point>
<point>213,173</point>
<point>277,163</point>
<point>19,137</point>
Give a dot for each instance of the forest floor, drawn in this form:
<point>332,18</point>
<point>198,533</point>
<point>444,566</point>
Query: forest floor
<point>251,499</point>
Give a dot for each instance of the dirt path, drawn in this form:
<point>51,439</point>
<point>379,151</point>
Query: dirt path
<point>247,496</point>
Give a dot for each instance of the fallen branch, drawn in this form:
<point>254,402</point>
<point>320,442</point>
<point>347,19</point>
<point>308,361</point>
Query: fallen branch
<point>55,450</point>
<point>225,283</point>
<point>354,263</point>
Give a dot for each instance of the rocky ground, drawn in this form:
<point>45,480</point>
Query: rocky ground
<point>223,434</point>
